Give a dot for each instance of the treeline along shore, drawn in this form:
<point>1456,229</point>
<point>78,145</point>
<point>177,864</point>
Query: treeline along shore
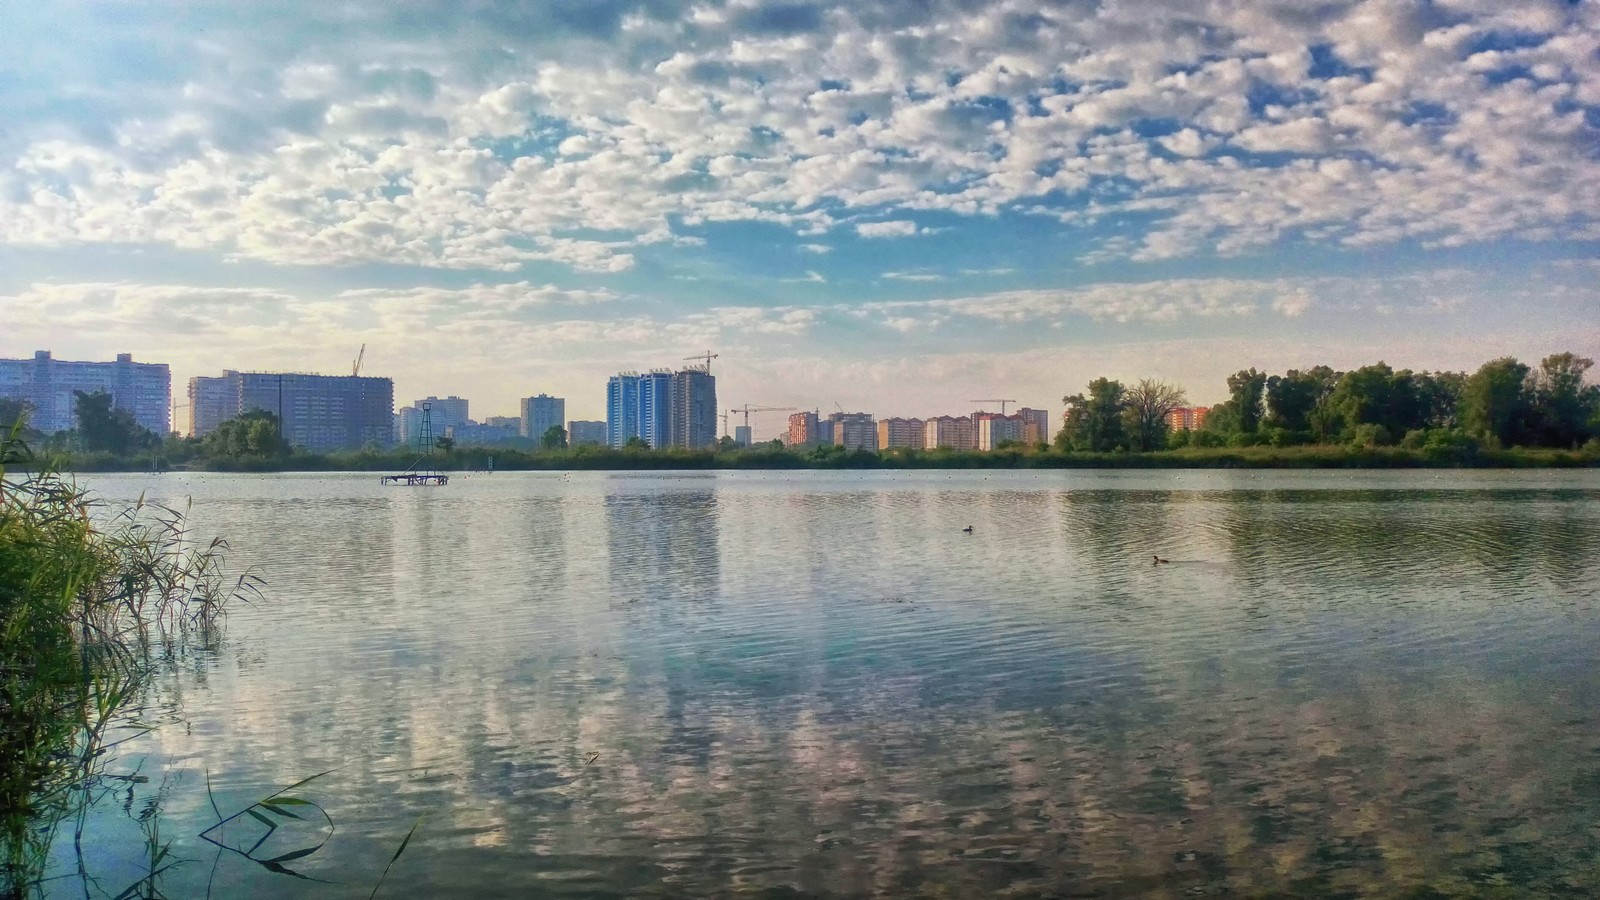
<point>1504,414</point>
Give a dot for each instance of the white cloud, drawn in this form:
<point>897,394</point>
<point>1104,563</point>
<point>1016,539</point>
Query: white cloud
<point>894,229</point>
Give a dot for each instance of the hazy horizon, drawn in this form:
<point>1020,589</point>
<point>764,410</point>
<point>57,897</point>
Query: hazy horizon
<point>894,207</point>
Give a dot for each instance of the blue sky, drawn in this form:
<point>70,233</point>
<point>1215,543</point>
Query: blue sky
<point>894,206</point>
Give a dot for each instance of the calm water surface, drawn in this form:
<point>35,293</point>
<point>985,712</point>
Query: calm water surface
<point>810,683</point>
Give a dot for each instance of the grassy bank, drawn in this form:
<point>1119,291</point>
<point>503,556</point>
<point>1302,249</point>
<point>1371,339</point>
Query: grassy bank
<point>84,593</point>
<point>603,458</point>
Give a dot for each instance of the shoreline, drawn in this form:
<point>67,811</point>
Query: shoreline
<point>476,460</point>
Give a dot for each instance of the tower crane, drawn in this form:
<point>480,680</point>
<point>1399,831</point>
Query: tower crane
<point>356,369</point>
<point>747,409</point>
<point>708,356</point>
<point>1001,402</point>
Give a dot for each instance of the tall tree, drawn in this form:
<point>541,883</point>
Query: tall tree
<point>104,427</point>
<point>1496,402</point>
<point>1441,397</point>
<point>1293,397</point>
<point>1245,391</point>
<point>1565,407</point>
<point>1095,421</point>
<point>554,438</point>
<point>1148,404</point>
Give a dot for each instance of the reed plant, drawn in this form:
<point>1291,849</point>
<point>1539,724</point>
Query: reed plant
<point>85,592</point>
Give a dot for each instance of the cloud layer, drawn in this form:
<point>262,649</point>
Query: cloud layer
<point>491,136</point>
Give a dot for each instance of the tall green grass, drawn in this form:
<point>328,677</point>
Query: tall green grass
<point>85,592</point>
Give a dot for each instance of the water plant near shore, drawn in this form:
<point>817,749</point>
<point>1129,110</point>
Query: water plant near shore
<point>85,593</point>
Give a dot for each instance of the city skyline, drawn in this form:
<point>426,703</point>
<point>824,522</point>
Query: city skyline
<point>887,205</point>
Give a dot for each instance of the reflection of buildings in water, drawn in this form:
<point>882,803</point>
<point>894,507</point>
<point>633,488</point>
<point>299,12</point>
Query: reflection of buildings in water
<point>663,546</point>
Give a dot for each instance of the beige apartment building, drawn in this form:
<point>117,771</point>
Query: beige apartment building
<point>1187,417</point>
<point>955,432</point>
<point>894,433</point>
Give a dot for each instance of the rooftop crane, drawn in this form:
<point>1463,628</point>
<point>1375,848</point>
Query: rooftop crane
<point>708,356</point>
<point>356,369</point>
<point>1001,402</point>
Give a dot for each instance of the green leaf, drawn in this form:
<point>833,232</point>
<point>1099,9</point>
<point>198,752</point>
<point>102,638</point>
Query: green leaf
<point>295,854</point>
<point>260,818</point>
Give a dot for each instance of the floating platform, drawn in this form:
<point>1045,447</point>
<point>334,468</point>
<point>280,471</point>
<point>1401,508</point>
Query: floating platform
<point>414,479</point>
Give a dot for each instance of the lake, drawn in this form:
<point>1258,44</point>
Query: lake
<point>817,683</point>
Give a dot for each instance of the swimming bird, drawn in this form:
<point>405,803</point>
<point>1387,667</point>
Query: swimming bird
<point>967,529</point>
<point>1159,561</point>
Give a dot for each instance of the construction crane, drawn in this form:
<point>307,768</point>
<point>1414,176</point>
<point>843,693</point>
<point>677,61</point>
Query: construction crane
<point>747,409</point>
<point>708,356</point>
<point>1001,402</point>
<point>356,369</point>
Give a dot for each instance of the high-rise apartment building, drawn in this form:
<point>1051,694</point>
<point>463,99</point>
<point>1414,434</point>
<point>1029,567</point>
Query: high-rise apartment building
<point>694,408</point>
<point>445,413</point>
<point>994,429</point>
<point>46,383</point>
<point>665,409</point>
<point>854,431</point>
<point>655,408</point>
<point>542,413</point>
<point>622,408</point>
<point>1035,425</point>
<point>318,413</point>
<point>894,433</point>
<point>212,401</point>
<point>585,432</point>
<point>802,430</point>
<point>741,435</point>
<point>955,432</point>
<point>1187,417</point>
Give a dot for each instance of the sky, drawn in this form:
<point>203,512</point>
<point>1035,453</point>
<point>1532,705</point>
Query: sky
<point>900,207</point>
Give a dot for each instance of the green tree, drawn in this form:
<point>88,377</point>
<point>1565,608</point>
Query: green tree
<point>1496,402</point>
<point>445,444</point>
<point>1246,389</point>
<point>554,438</point>
<point>14,413</point>
<point>636,443</point>
<point>104,427</point>
<point>1565,408</point>
<point>1293,397</point>
<point>1095,421</point>
<point>253,433</point>
<point>1441,397</point>
<point>1148,404</point>
<point>1377,395</point>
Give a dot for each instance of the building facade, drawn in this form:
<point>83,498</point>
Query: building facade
<point>622,408</point>
<point>319,413</point>
<point>212,401</point>
<point>585,432</point>
<point>1035,425</point>
<point>894,433</point>
<point>802,430</point>
<point>955,432</point>
<point>1191,418</point>
<point>994,429</point>
<point>741,435</point>
<point>655,408</point>
<point>854,431</point>
<point>663,408</point>
<point>542,413</point>
<point>694,407</point>
<point>447,412</point>
<point>46,383</point>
